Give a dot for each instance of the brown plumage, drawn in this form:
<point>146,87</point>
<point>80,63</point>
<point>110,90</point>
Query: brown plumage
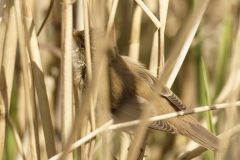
<point>131,86</point>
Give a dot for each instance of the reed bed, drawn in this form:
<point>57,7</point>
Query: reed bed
<point>191,46</point>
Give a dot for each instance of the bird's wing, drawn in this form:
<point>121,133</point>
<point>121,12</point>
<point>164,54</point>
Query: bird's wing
<point>165,92</point>
<point>132,109</point>
<point>164,126</point>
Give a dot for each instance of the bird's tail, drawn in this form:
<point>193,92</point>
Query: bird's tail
<point>206,139</point>
<point>201,135</point>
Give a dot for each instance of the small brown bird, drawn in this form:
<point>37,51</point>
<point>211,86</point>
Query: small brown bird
<point>130,87</point>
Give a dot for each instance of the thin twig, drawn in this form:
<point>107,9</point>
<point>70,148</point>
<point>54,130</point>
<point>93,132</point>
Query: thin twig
<point>176,114</point>
<point>45,20</point>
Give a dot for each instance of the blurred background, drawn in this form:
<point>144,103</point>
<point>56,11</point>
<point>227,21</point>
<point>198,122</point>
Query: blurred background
<point>214,54</point>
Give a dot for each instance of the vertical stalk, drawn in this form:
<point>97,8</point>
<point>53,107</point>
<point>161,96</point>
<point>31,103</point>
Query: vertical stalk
<point>34,54</point>
<point>135,33</point>
<point>28,85</point>
<point>162,13</point>
<point>67,110</point>
<point>6,71</point>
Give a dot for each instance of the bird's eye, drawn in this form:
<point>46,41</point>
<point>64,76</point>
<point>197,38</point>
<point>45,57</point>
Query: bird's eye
<point>82,46</point>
